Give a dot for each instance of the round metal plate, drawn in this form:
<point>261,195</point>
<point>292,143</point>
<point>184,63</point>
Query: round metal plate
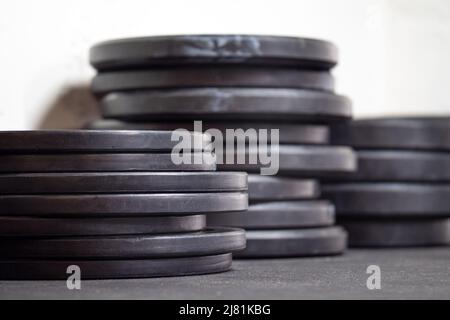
<point>114,269</point>
<point>294,243</point>
<point>95,205</point>
<point>426,133</point>
<point>402,166</point>
<point>50,227</point>
<point>193,77</point>
<point>389,199</point>
<point>120,182</point>
<point>269,188</point>
<point>278,215</point>
<point>224,104</point>
<point>91,141</point>
<point>207,242</point>
<point>398,233</point>
<point>288,133</point>
<point>104,162</point>
<point>218,49</point>
<point>307,161</point>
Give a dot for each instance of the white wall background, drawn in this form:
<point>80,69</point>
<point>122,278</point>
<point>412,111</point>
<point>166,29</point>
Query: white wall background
<point>394,54</point>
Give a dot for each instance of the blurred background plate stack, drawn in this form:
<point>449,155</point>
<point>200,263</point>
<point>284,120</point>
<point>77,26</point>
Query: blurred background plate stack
<point>112,204</point>
<point>400,195</point>
<point>254,83</point>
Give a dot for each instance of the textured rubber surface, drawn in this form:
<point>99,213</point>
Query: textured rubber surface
<point>194,77</point>
<point>207,242</point>
<point>91,141</point>
<point>406,274</point>
<point>398,233</point>
<point>114,269</point>
<point>389,199</point>
<point>292,243</point>
<point>218,49</point>
<point>120,182</point>
<point>151,204</point>
<point>224,104</point>
<point>279,215</point>
<point>49,227</point>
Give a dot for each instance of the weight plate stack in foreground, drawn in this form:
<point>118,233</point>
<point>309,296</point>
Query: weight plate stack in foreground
<point>400,195</point>
<point>115,203</point>
<point>248,93</point>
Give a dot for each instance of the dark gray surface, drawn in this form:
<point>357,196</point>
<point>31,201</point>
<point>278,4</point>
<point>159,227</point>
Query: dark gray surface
<point>405,274</point>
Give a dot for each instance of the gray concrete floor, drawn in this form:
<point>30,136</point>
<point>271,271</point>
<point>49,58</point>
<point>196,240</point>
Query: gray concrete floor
<point>405,274</point>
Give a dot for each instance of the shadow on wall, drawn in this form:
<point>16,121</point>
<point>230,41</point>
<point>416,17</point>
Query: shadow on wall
<point>72,109</point>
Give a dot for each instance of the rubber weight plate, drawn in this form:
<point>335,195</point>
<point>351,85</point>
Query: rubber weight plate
<point>50,227</point>
<point>269,188</point>
<point>398,233</point>
<point>114,269</point>
<point>389,199</point>
<point>307,161</point>
<point>192,77</point>
<point>104,162</point>
<point>95,205</point>
<point>428,133</point>
<point>120,182</point>
<point>279,215</point>
<point>217,49</point>
<point>294,243</point>
<point>288,133</point>
<point>222,104</point>
<point>207,242</point>
<point>402,166</point>
<point>92,141</point>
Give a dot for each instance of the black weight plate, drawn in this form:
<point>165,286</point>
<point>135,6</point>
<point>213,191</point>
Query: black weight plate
<point>294,243</point>
<point>49,227</point>
<point>307,161</point>
<point>217,49</point>
<point>269,188</point>
<point>278,215</point>
<point>207,242</point>
<point>389,199</point>
<point>120,182</point>
<point>288,133</point>
<point>398,233</point>
<point>194,77</point>
<point>92,141</point>
<point>427,133</point>
<point>114,269</point>
<point>221,104</point>
<point>96,205</point>
<point>402,166</point>
<point>104,162</point>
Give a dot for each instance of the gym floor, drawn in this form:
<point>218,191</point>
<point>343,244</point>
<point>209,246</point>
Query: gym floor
<point>405,274</point>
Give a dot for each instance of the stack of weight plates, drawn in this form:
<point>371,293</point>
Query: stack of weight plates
<point>113,204</point>
<point>400,195</point>
<point>241,82</point>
